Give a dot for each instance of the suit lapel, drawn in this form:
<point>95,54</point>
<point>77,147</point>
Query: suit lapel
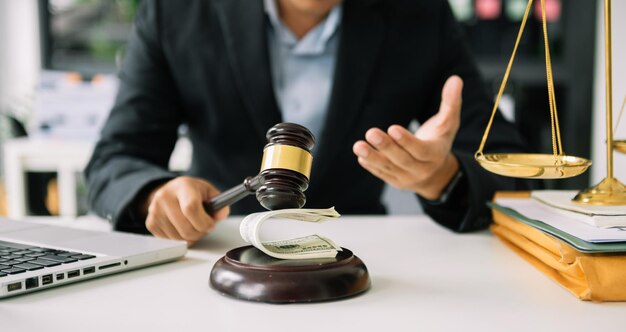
<point>245,34</point>
<point>362,32</point>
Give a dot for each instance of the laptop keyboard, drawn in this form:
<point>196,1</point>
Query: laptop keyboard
<point>18,258</point>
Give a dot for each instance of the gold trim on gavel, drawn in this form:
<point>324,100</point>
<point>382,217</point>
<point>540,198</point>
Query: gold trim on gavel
<point>287,157</point>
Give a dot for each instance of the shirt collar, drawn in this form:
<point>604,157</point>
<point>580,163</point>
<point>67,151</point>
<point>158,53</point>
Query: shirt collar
<point>315,41</point>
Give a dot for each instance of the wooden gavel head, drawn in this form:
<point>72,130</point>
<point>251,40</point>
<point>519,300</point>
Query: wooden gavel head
<point>284,175</point>
<point>286,167</point>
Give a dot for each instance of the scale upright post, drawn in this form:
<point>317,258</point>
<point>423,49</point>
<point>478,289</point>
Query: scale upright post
<point>609,191</point>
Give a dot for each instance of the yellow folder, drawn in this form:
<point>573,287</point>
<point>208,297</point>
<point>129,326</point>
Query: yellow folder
<point>596,277</point>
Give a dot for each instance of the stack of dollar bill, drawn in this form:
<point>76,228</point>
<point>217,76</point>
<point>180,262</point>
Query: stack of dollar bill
<point>312,246</point>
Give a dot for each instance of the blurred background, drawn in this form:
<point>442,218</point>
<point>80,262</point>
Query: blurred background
<point>59,58</point>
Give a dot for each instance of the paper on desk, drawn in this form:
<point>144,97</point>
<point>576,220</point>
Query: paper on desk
<point>533,209</point>
<point>599,216</point>
<point>312,246</point>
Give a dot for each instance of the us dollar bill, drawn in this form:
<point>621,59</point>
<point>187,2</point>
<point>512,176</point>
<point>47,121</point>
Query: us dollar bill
<point>307,247</point>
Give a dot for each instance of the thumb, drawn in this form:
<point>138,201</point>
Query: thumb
<point>447,121</point>
<point>451,98</point>
<point>207,189</point>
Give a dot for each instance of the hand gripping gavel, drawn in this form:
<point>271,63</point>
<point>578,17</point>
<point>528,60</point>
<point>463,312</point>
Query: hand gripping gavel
<point>285,171</point>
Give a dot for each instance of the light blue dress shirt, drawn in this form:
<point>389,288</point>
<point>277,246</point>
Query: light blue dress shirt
<point>303,70</point>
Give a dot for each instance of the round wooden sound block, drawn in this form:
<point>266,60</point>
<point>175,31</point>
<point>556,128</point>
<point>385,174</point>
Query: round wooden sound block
<point>247,273</point>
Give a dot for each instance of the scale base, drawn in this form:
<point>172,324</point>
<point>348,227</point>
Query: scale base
<point>247,273</point>
<point>608,192</point>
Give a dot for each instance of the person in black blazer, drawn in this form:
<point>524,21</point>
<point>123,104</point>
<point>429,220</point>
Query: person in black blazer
<point>206,64</point>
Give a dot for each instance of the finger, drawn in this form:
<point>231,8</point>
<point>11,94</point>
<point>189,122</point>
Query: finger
<point>154,228</point>
<point>361,149</point>
<point>221,214</point>
<point>168,229</point>
<point>393,152</point>
<point>157,218</point>
<point>208,191</point>
<point>418,149</point>
<point>374,162</point>
<point>179,222</point>
<point>154,219</point>
<point>378,172</point>
<point>193,210</point>
<point>451,97</point>
<point>375,158</point>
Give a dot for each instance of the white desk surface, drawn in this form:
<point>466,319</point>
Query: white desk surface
<point>423,278</point>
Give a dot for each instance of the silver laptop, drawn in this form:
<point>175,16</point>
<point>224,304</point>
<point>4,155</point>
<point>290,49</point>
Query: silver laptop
<point>36,256</point>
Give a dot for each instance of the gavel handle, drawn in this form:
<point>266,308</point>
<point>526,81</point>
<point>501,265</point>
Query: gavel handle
<point>234,194</point>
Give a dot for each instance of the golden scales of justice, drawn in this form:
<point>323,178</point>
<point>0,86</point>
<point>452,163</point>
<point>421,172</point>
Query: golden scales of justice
<point>609,191</point>
<point>620,145</point>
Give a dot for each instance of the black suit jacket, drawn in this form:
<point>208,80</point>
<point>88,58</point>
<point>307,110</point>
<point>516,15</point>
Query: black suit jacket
<point>205,63</point>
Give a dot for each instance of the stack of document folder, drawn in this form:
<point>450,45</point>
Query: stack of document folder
<point>582,253</point>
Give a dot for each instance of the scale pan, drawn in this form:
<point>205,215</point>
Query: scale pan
<point>620,146</point>
<point>536,166</point>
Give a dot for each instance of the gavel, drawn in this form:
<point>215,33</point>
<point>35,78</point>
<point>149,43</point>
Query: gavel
<point>284,175</point>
